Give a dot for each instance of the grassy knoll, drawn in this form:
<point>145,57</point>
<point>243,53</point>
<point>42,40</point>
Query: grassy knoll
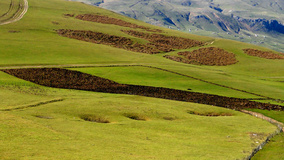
<point>57,130</point>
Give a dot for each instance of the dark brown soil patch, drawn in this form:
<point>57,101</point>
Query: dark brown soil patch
<point>69,15</point>
<point>210,114</point>
<point>94,118</point>
<point>62,78</point>
<point>136,116</point>
<point>12,31</point>
<point>158,43</point>
<point>108,20</point>
<point>263,54</point>
<point>210,56</point>
<point>44,117</point>
<point>101,38</point>
<point>165,43</point>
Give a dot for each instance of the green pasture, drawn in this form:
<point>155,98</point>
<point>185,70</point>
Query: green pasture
<point>4,7</point>
<point>145,76</point>
<point>56,131</point>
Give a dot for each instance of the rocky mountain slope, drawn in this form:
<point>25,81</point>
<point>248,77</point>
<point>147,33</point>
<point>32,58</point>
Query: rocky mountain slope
<point>255,21</point>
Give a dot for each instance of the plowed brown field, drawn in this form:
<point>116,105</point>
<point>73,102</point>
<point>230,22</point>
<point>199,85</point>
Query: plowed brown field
<point>62,78</point>
<point>165,43</point>
<point>210,56</point>
<point>158,43</point>
<point>263,54</point>
<point>101,38</point>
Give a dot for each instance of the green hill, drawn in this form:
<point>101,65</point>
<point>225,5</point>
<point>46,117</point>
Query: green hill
<point>40,122</point>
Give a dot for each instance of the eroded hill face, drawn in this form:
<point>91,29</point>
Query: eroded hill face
<point>254,21</point>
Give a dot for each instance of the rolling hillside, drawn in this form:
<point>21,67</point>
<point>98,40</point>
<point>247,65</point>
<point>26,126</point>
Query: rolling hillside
<point>73,82</point>
<point>258,22</point>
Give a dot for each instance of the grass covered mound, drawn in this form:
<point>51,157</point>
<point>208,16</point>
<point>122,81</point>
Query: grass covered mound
<point>62,78</point>
<point>108,20</point>
<point>210,56</point>
<point>263,54</point>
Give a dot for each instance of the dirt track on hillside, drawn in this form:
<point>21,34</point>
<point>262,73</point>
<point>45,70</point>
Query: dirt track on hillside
<point>16,17</point>
<point>62,78</point>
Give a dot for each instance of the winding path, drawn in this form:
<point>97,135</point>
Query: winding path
<point>20,16</point>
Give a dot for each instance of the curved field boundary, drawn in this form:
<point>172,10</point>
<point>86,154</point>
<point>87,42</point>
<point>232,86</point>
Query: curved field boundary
<point>180,74</point>
<point>19,14</point>
<point>270,120</point>
<point>33,105</point>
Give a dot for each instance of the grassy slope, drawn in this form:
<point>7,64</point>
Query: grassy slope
<point>4,7</point>
<point>37,43</point>
<point>64,135</point>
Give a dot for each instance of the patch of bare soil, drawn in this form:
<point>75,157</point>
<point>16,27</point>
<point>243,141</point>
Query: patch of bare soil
<point>69,15</point>
<point>62,78</point>
<point>263,54</point>
<point>108,20</point>
<point>12,31</point>
<point>101,38</point>
<point>165,43</point>
<point>210,56</point>
<point>210,114</point>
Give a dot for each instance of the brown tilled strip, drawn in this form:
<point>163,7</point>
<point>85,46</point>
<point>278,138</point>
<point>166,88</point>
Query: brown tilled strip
<point>263,54</point>
<point>166,43</point>
<point>106,39</point>
<point>158,43</point>
<point>62,78</point>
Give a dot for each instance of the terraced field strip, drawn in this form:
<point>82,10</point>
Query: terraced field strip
<point>16,12</point>
<point>127,65</point>
<point>68,79</point>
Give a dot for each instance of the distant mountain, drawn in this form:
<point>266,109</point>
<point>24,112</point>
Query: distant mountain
<point>259,22</point>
